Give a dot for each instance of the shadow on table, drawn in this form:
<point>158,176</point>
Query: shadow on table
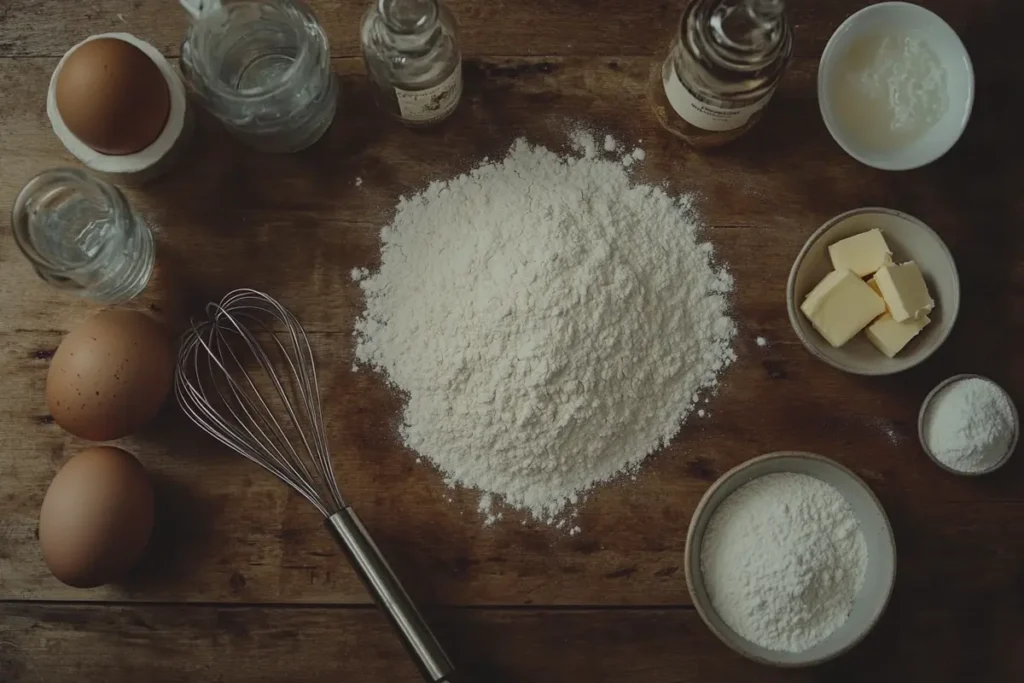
<point>181,529</point>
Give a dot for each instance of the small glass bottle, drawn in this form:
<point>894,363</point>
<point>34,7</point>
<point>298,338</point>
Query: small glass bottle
<point>80,233</point>
<point>721,70</point>
<point>412,57</point>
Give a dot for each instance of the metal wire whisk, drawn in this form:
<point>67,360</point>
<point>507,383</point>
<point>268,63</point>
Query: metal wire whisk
<point>247,377</point>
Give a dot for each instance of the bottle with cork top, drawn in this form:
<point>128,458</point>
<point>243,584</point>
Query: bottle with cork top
<point>725,63</point>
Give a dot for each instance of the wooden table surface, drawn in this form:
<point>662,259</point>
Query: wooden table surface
<point>243,584</point>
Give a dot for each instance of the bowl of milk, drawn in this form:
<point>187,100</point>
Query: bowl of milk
<point>895,86</point>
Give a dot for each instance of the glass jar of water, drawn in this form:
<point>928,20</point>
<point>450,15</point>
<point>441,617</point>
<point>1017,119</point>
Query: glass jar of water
<point>263,68</point>
<point>79,233</point>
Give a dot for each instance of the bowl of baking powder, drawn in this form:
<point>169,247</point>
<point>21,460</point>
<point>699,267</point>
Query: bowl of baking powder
<point>968,425</point>
<point>790,559</point>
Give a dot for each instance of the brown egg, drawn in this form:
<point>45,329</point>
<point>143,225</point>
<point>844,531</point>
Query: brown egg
<point>112,96</point>
<point>96,518</point>
<point>110,375</point>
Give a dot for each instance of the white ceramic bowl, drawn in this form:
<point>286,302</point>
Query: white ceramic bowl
<point>870,602</point>
<point>922,418</point>
<point>909,239</point>
<point>889,17</point>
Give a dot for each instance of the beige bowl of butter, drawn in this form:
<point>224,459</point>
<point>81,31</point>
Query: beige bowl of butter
<point>909,240</point>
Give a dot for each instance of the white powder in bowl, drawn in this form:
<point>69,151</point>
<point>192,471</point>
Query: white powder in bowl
<point>782,560</point>
<point>969,425</point>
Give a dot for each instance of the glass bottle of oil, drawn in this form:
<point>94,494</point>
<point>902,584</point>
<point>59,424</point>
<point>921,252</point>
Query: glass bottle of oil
<point>724,64</point>
<point>412,56</point>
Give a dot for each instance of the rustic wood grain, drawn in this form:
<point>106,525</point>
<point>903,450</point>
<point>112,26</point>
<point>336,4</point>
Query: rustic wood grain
<point>498,27</point>
<point>267,597</point>
<point>228,532</point>
<point>169,644</point>
<point>779,183</point>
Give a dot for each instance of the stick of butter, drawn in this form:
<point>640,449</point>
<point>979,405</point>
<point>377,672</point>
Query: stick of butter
<point>874,285</point>
<point>904,290</point>
<point>863,254</point>
<point>890,337</point>
<point>841,305</point>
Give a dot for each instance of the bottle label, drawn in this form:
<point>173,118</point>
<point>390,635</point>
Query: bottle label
<point>704,115</point>
<point>432,104</point>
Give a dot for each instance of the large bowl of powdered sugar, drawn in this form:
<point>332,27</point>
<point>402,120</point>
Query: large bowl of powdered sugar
<point>790,559</point>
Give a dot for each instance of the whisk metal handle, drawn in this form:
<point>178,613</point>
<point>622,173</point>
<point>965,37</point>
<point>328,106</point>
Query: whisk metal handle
<point>389,595</point>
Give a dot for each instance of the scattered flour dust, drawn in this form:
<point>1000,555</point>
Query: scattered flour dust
<point>550,322</point>
<point>889,430</point>
<point>486,510</point>
<point>583,143</point>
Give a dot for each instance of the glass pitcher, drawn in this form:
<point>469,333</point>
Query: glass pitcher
<point>263,68</point>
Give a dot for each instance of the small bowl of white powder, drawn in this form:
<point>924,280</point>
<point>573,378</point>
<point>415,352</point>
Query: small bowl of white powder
<point>968,425</point>
<point>790,559</point>
<point>895,86</point>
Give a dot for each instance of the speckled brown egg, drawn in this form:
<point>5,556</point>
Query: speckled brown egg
<point>110,375</point>
<point>112,96</point>
<point>96,518</point>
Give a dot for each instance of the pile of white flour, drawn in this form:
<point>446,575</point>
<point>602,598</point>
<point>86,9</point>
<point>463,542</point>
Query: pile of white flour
<point>550,322</point>
<point>782,559</point>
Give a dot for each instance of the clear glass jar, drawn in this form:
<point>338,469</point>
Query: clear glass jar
<point>80,233</point>
<point>722,69</point>
<point>412,56</point>
<point>263,67</point>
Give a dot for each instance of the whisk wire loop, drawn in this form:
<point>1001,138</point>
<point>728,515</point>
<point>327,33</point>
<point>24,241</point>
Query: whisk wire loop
<point>231,385</point>
<point>247,377</point>
<point>303,367</point>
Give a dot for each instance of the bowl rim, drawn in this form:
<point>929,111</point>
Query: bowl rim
<point>827,55</point>
<point>794,312</point>
<point>926,404</point>
<point>703,509</point>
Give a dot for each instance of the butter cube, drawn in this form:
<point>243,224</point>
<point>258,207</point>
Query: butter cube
<point>841,305</point>
<point>863,254</point>
<point>890,337</point>
<point>904,290</point>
